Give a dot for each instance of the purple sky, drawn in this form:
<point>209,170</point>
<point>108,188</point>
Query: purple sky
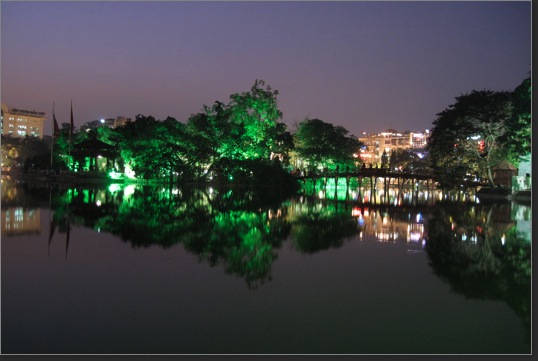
<point>367,66</point>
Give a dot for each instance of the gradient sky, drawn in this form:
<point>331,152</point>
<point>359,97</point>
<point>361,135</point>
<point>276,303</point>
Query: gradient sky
<point>367,66</point>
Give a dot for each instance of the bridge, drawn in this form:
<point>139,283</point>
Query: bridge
<point>374,174</point>
<point>394,177</point>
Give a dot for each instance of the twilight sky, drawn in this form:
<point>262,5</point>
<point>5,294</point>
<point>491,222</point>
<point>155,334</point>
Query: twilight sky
<point>367,66</point>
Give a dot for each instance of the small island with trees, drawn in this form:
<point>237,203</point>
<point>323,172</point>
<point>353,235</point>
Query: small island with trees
<point>244,141</point>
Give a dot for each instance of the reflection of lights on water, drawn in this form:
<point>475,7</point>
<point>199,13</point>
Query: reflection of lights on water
<point>386,236</point>
<point>503,239</point>
<point>415,232</point>
<point>419,217</point>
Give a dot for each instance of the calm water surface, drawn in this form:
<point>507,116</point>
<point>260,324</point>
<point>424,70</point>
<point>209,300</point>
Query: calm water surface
<point>176,271</point>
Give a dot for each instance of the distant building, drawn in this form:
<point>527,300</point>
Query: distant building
<point>120,121</point>
<point>388,141</point>
<point>503,173</point>
<point>21,122</point>
<point>109,122</point>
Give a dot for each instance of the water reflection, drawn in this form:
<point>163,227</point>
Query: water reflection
<point>482,254</point>
<point>243,230</point>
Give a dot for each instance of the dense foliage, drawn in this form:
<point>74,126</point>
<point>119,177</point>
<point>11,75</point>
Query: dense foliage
<point>245,141</point>
<point>321,144</point>
<point>480,130</point>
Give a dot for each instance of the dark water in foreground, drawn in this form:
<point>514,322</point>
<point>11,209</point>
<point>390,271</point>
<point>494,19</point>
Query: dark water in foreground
<point>136,270</point>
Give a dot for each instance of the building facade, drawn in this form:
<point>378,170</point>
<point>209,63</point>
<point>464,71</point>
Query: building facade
<point>388,141</point>
<point>21,122</point>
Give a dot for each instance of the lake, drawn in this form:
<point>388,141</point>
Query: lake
<point>130,269</point>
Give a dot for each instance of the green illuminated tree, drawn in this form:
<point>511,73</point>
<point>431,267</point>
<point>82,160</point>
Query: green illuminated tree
<point>138,147</point>
<point>255,114</point>
<point>63,146</point>
<point>211,138</point>
<point>238,140</point>
<point>154,149</point>
<point>322,144</point>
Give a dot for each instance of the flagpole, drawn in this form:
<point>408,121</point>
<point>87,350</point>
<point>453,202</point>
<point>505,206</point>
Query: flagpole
<point>71,131</point>
<point>52,139</point>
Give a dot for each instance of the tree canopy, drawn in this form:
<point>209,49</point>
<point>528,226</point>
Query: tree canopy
<point>467,137</point>
<point>480,130</point>
<point>516,140</point>
<point>324,144</point>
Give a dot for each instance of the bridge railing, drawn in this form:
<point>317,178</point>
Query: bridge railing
<point>363,172</point>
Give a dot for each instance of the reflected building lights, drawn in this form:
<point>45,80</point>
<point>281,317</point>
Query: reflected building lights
<point>21,221</point>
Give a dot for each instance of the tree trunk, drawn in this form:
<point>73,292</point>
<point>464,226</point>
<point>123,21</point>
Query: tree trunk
<point>490,177</point>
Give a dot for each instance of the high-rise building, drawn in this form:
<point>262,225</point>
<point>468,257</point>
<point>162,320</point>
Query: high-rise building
<point>21,122</point>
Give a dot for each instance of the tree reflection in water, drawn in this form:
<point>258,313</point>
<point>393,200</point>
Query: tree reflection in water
<point>476,248</point>
<point>319,226</point>
<point>234,228</point>
<point>479,253</point>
